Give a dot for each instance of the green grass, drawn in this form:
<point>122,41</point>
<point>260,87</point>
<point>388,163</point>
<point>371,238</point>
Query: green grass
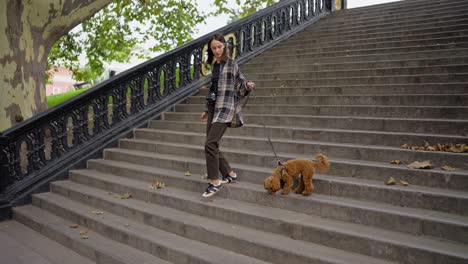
<point>53,100</point>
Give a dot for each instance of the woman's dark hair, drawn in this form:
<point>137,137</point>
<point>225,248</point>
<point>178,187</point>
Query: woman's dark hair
<point>220,38</point>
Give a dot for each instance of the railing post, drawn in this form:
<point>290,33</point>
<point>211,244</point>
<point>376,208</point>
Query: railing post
<point>4,163</point>
<point>330,5</point>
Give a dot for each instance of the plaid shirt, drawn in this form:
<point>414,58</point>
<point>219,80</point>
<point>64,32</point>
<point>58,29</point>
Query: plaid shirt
<point>232,88</point>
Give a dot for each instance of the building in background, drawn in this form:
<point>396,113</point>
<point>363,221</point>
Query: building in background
<point>61,82</point>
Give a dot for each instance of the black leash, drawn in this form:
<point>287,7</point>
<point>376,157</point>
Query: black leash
<point>278,161</point>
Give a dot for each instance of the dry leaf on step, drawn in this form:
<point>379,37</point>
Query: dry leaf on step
<point>404,183</point>
<point>391,181</point>
<point>158,185</point>
<point>420,165</point>
<point>187,173</point>
<point>83,232</point>
<point>397,162</point>
<point>74,226</point>
<point>125,196</point>
<point>458,148</point>
<point>405,146</point>
<point>84,236</point>
<point>448,168</point>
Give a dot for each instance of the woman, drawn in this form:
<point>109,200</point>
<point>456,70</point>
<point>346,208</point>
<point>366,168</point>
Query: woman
<point>228,87</point>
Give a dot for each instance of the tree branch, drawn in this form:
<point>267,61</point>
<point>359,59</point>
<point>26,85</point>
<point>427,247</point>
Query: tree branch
<point>65,15</point>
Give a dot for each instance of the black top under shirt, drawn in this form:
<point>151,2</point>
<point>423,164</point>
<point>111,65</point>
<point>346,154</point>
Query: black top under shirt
<point>214,83</point>
<point>215,77</point>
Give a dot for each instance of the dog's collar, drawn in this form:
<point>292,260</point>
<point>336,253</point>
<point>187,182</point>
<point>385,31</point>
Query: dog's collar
<point>283,168</point>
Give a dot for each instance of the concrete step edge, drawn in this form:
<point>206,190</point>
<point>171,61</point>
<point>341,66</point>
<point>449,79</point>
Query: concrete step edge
<point>254,66</point>
<point>137,234</point>
<point>242,189</point>
<point>232,231</point>
<point>268,170</point>
<point>284,216</point>
<point>373,56</point>
<point>424,190</point>
<point>21,244</point>
<point>369,39</point>
<point>96,247</point>
<point>383,133</point>
<point>449,16</point>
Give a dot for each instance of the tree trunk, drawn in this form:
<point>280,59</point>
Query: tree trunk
<point>28,29</point>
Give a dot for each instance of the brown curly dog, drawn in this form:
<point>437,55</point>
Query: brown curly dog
<point>291,170</point>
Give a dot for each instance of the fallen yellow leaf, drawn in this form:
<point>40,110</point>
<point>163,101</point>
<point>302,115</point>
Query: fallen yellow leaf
<point>83,232</point>
<point>459,148</point>
<point>448,168</point>
<point>125,196</point>
<point>187,173</point>
<point>404,183</point>
<point>158,185</point>
<point>420,165</point>
<point>84,236</point>
<point>391,181</point>
<point>397,162</point>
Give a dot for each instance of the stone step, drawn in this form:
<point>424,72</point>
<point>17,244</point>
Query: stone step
<point>352,187</point>
<point>181,218</point>
<point>268,246</point>
<point>444,43</point>
<point>253,107</point>
<point>326,26</point>
<point>409,88</point>
<point>395,79</point>
<point>405,34</point>
<point>339,23</point>
<point>447,18</point>
<point>157,242</point>
<point>439,200</point>
<point>21,245</point>
<point>357,56</point>
<point>383,13</point>
<point>305,147</point>
<point>358,73</point>
<point>95,247</point>
<point>399,6</point>
<point>317,134</point>
<point>259,68</point>
<point>316,41</point>
<point>427,126</point>
<point>242,192</point>
<point>424,26</point>
<point>460,100</point>
<point>453,180</point>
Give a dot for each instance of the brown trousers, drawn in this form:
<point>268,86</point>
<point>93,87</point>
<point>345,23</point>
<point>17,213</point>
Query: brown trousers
<point>215,161</point>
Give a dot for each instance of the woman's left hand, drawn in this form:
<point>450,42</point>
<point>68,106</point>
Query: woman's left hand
<point>250,85</point>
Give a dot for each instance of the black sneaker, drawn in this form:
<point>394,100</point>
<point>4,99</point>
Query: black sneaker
<point>229,178</point>
<point>212,189</point>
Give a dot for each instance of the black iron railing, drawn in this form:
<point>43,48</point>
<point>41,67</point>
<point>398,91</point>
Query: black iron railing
<point>46,146</point>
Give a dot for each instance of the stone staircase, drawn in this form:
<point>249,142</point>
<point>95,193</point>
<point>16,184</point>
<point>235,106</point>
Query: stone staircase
<point>355,86</point>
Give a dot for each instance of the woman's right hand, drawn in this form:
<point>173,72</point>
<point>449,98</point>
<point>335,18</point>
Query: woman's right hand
<point>204,117</point>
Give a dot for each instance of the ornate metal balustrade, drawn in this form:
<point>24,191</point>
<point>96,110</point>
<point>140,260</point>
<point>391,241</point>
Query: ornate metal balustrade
<point>46,146</point>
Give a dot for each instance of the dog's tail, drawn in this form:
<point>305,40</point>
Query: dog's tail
<point>322,163</point>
